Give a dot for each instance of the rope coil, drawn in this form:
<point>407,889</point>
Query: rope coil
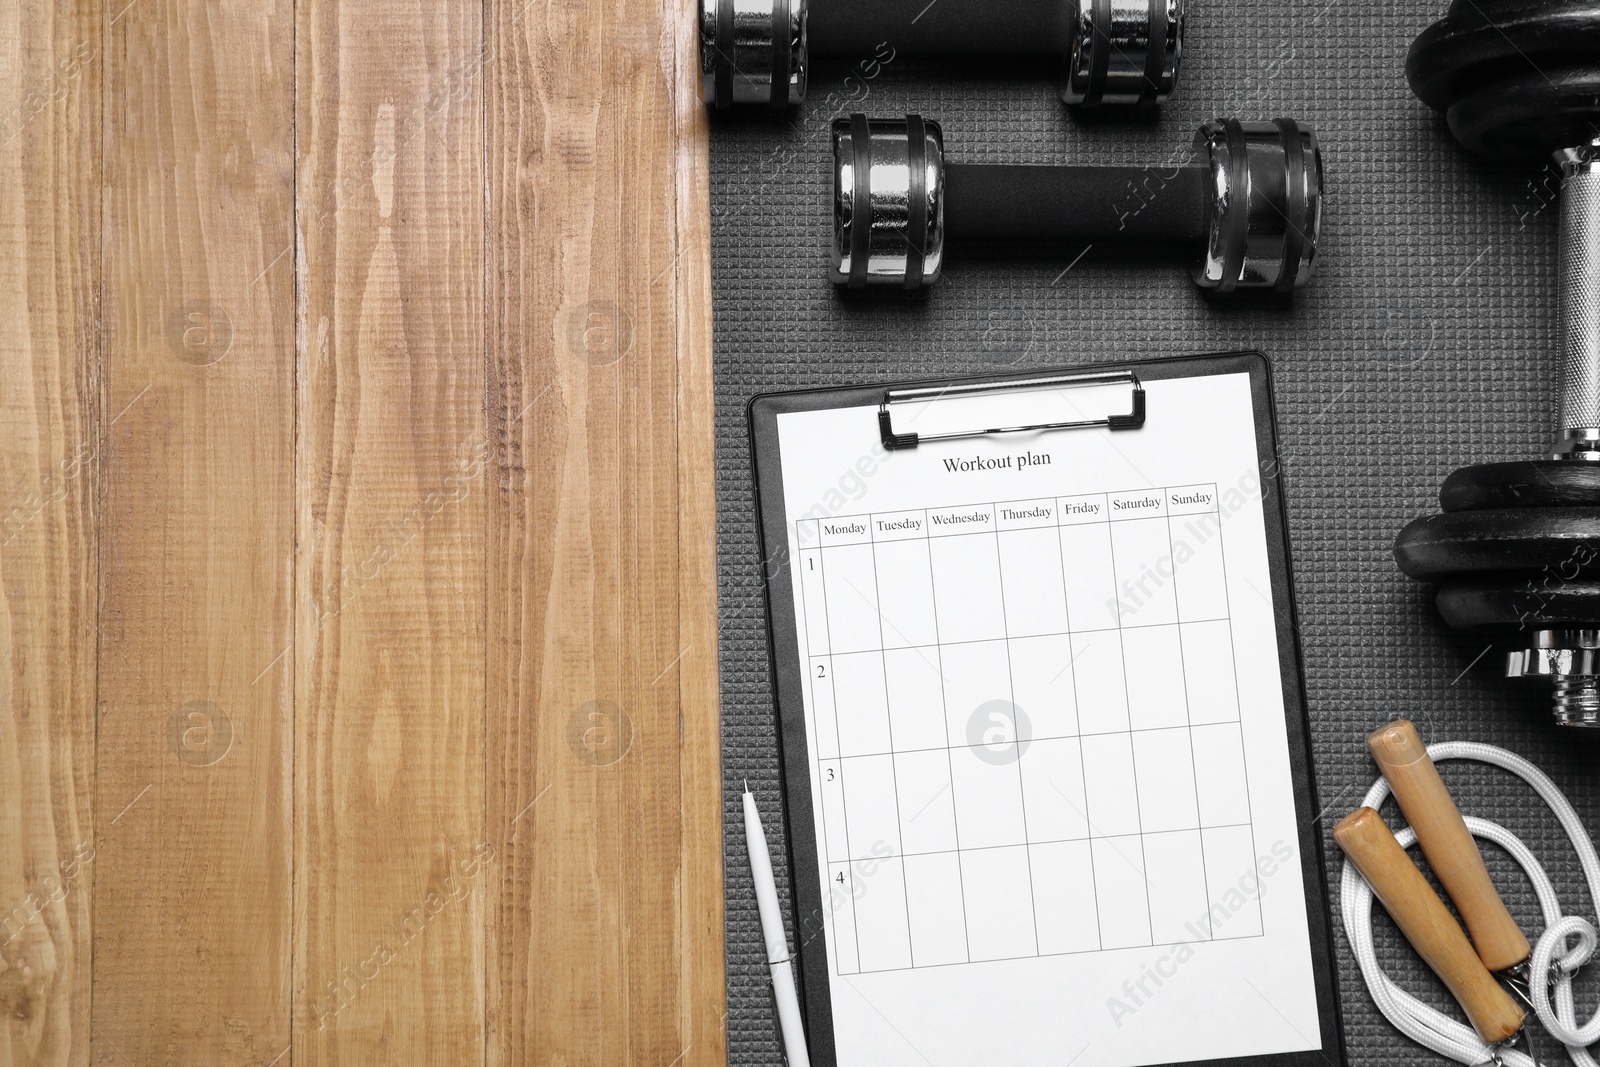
<point>1568,942</point>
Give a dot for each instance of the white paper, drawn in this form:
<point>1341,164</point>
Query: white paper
<point>1055,817</point>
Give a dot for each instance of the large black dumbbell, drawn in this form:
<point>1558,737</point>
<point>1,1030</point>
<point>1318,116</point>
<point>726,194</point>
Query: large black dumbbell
<point>1245,205</point>
<point>1115,51</point>
<point>1516,553</point>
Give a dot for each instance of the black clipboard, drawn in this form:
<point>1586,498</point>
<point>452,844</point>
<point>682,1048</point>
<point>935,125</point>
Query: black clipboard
<point>787,674</point>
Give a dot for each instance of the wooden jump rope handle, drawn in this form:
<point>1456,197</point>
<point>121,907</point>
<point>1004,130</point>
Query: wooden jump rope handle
<point>1427,923</point>
<point>1445,840</point>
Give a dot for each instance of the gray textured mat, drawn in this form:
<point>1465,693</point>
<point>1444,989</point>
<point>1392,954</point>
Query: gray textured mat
<point>1425,342</point>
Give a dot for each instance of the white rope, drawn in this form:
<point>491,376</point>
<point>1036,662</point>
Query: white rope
<point>1567,943</point>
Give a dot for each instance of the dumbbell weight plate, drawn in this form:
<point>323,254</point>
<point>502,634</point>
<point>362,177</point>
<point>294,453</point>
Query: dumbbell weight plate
<point>1563,541</point>
<point>1545,483</point>
<point>1532,114</point>
<point>1483,40</point>
<point>1511,603</point>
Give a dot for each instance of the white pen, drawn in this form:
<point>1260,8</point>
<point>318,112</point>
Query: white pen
<point>790,1026</point>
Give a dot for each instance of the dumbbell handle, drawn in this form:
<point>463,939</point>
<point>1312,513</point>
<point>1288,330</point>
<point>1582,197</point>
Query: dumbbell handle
<point>1579,293</point>
<point>1063,206</point>
<point>853,29</point>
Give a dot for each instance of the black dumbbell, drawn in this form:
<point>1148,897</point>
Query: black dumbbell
<point>1516,554</point>
<point>1115,51</point>
<point>1245,204</point>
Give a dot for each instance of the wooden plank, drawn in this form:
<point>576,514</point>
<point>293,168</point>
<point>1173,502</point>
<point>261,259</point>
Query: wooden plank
<point>703,996</point>
<point>192,867</point>
<point>391,860</point>
<point>49,297</point>
<point>605,925</point>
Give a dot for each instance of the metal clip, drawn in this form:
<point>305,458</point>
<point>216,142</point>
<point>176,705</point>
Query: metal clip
<point>1495,1058</point>
<point>1133,420</point>
<point>1516,982</point>
<point>1525,1035</point>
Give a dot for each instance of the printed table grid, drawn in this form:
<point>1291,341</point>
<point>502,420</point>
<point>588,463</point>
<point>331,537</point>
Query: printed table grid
<point>1026,728</point>
<point>942,749</point>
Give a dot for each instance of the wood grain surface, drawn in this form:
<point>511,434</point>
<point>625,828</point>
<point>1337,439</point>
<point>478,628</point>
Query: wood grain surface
<point>192,871</point>
<point>389,672</point>
<point>359,629</point>
<point>597,521</point>
<point>49,455</point>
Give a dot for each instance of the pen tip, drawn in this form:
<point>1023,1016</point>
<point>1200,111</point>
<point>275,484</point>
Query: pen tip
<point>747,785</point>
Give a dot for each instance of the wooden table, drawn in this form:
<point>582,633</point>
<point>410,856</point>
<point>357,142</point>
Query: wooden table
<point>356,535</point>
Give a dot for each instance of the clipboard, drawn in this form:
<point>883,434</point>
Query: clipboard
<point>917,501</point>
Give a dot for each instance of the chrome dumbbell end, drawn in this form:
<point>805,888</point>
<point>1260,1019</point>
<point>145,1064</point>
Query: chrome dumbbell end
<point>888,202</point>
<point>1124,53</point>
<point>753,52</point>
<point>1265,209</point>
<point>1246,204</point>
<point>1570,661</point>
